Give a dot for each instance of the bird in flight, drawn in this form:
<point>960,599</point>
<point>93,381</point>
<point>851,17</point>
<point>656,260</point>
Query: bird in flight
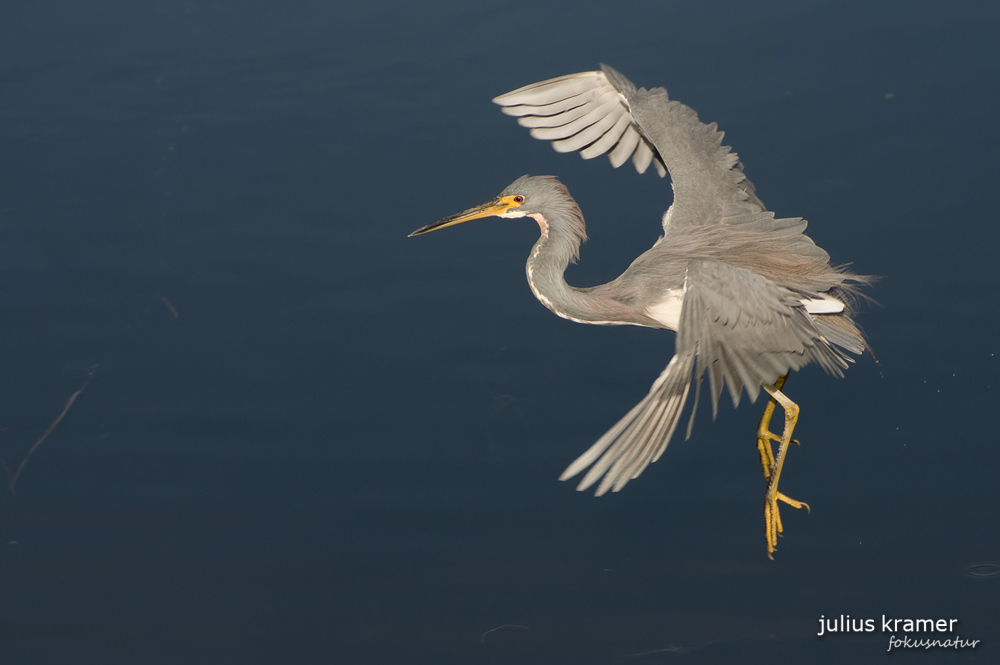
<point>750,296</point>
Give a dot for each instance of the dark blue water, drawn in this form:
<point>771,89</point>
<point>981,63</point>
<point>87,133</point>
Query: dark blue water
<point>305,438</point>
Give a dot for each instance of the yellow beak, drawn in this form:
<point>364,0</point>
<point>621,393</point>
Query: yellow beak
<point>497,206</point>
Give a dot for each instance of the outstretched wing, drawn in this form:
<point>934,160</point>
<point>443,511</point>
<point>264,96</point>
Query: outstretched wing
<point>603,112</point>
<point>584,112</point>
<point>740,328</point>
<point>638,439</point>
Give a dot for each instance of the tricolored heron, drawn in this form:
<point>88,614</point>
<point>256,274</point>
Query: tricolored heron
<point>751,297</point>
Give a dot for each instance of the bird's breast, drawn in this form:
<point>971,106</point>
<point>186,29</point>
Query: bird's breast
<point>668,310</point>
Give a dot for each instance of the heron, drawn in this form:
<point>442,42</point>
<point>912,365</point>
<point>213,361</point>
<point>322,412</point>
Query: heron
<point>749,295</point>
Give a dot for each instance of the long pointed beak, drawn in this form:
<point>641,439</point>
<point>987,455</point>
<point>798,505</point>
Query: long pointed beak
<point>497,206</point>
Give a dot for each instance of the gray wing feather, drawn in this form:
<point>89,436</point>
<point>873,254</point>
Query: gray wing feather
<point>609,115</point>
<point>707,177</point>
<point>587,112</point>
<point>746,330</point>
<point>557,120</point>
<point>642,157</point>
<point>740,328</point>
<point>610,138</point>
<point>842,338</point>
<point>641,436</point>
<point>577,119</point>
<point>603,112</point>
<point>552,90</point>
<point>553,111</point>
<point>626,146</point>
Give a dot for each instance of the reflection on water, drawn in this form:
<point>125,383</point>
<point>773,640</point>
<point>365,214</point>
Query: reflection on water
<point>982,570</point>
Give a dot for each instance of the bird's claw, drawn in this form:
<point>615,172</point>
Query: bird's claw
<point>772,517</point>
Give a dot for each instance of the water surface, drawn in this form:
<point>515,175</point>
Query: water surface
<point>306,438</point>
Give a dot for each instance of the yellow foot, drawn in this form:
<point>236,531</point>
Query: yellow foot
<point>772,518</point>
<point>772,463</point>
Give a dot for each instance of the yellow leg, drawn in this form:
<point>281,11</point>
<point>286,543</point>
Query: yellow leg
<point>764,436</point>
<point>772,516</point>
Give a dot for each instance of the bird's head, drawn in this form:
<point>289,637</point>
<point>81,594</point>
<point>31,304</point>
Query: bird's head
<point>529,196</point>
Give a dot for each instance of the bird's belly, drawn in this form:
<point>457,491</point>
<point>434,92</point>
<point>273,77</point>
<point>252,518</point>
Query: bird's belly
<point>668,310</point>
<point>823,305</point>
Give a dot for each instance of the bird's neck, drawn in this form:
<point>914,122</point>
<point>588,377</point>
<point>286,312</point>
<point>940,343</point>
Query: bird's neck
<point>549,258</point>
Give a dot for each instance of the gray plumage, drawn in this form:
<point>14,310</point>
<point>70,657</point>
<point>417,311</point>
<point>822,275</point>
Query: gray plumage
<point>750,296</point>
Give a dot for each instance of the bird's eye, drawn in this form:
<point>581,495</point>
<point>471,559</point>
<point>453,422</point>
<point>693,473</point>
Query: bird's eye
<point>518,199</point>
